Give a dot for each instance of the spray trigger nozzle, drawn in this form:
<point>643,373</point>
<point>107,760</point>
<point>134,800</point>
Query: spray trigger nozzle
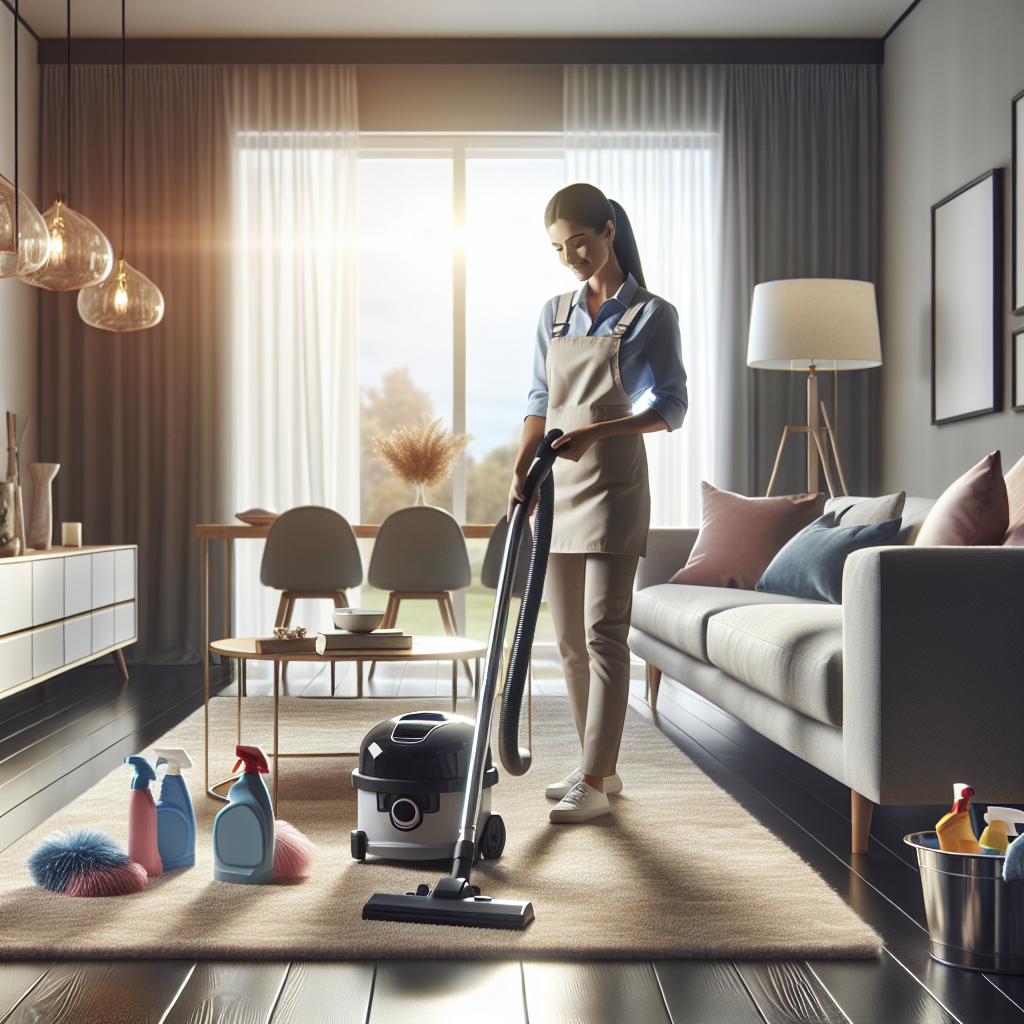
<point>144,773</point>
<point>253,758</point>
<point>174,758</point>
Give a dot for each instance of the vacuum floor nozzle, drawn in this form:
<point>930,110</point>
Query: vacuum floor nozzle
<point>442,906</point>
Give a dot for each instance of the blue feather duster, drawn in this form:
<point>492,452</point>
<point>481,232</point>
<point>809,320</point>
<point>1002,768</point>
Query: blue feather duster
<point>84,863</point>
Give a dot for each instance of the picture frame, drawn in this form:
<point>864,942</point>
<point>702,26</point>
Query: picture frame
<point>967,301</point>
<point>1017,369</point>
<point>1017,203</point>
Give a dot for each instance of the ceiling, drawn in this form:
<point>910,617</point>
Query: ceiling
<point>447,18</point>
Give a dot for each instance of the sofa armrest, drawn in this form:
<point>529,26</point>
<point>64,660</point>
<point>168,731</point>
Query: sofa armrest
<point>667,552</point>
<point>933,673</point>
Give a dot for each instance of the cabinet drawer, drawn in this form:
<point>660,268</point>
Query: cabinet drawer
<point>102,630</point>
<point>77,584</point>
<point>15,661</point>
<point>124,575</point>
<point>77,639</point>
<point>47,649</point>
<point>15,598</point>
<point>47,590</point>
<point>102,579</point>
<point>124,622</point>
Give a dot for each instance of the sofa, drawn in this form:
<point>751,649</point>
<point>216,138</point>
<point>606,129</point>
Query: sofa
<point>913,683</point>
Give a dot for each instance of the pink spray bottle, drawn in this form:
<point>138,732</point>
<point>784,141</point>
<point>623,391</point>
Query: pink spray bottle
<point>143,847</point>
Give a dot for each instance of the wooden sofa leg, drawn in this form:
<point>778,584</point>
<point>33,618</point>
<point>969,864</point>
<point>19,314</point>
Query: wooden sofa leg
<point>653,684</point>
<point>860,819</point>
<point>121,666</point>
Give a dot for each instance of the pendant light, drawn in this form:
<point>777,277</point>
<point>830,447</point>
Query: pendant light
<point>24,240</point>
<point>80,255</point>
<point>126,300</point>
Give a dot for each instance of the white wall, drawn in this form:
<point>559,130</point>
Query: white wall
<point>951,70</point>
<point>19,303</point>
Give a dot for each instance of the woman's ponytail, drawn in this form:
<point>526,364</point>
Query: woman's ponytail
<point>624,244</point>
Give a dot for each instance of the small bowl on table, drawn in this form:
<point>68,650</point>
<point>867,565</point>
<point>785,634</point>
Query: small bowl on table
<point>358,620</point>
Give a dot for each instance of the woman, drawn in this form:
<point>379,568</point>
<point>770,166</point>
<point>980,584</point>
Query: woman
<point>598,351</point>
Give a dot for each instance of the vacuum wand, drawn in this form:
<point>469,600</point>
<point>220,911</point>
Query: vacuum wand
<point>454,900</point>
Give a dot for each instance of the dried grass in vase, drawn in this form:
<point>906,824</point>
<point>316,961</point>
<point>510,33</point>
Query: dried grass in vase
<point>423,456</point>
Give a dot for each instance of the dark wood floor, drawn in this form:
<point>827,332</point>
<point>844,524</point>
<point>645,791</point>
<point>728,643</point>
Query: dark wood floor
<point>58,739</point>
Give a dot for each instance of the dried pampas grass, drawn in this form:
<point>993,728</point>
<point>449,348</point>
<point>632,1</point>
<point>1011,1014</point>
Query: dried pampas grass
<point>424,455</point>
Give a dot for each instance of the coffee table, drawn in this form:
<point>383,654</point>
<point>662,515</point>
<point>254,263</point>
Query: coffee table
<point>424,648</point>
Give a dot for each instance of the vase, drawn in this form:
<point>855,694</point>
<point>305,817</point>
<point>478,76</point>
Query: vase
<point>10,545</point>
<point>40,531</point>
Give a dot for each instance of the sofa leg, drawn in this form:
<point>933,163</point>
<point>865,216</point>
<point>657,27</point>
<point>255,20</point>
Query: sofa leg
<point>860,818</point>
<point>653,683</point>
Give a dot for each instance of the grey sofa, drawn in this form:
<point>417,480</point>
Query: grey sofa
<point>915,682</point>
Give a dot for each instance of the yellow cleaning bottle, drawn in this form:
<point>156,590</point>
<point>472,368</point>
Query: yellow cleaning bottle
<point>954,829</point>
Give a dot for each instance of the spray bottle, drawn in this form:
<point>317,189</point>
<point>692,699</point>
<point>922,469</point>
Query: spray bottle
<point>243,832</point>
<point>1001,828</point>
<point>175,816</point>
<point>143,847</point>
<point>954,829</point>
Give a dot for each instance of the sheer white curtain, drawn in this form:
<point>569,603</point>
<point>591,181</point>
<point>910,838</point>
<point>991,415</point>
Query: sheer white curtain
<point>294,347</point>
<point>650,137</point>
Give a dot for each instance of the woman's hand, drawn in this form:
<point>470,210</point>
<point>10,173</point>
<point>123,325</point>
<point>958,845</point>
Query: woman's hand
<point>579,441</point>
<point>515,494</point>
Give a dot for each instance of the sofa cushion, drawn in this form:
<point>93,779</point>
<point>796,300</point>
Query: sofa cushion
<point>972,510</point>
<point>915,511</point>
<point>792,654</point>
<point>873,510</point>
<point>678,614</point>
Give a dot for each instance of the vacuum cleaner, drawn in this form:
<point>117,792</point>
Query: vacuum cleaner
<point>454,899</point>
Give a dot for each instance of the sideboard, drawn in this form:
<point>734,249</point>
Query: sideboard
<point>64,607</point>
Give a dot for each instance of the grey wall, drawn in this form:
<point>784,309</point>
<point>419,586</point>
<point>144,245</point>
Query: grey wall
<point>19,303</point>
<point>951,70</point>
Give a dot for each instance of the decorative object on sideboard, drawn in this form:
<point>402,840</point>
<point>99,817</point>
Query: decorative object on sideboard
<point>70,535</point>
<point>814,324</point>
<point>967,301</point>
<point>10,545</point>
<point>424,455</point>
<point>24,240</point>
<point>40,532</point>
<point>80,255</point>
<point>257,516</point>
<point>13,476</point>
<point>127,300</point>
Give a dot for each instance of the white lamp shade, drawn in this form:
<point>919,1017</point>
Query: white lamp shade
<point>829,322</point>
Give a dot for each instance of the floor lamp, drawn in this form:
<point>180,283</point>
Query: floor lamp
<point>807,324</point>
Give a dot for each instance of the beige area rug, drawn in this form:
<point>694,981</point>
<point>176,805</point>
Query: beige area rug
<point>678,870</point>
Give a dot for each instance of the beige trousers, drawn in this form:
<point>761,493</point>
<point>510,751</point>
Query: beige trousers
<point>591,597</point>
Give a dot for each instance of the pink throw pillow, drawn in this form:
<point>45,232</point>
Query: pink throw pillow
<point>972,510</point>
<point>740,536</point>
<point>1014,480</point>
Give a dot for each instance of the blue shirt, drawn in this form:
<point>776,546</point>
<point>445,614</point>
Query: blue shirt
<point>650,356</point>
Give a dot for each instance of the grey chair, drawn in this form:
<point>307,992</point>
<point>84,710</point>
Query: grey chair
<point>311,552</point>
<point>420,554</point>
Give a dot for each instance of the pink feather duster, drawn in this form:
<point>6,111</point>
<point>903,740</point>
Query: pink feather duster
<point>294,852</point>
<point>109,881</point>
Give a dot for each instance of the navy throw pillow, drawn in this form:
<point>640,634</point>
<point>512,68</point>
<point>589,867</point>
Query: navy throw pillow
<point>811,564</point>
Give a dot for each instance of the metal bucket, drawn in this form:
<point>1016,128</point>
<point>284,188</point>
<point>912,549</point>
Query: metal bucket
<point>975,919</point>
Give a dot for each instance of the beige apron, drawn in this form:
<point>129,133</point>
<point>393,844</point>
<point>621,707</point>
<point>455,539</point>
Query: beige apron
<point>602,502</point>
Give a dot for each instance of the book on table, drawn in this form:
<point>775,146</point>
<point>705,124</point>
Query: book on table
<point>378,640</point>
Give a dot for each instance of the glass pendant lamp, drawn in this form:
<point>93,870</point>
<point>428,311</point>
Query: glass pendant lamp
<point>24,240</point>
<point>80,255</point>
<point>127,300</point>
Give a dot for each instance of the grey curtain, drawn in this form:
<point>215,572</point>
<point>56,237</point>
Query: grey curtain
<point>801,199</point>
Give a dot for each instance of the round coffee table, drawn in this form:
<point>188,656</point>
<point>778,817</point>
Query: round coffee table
<point>424,648</point>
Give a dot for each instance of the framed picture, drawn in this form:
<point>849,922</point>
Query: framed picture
<point>967,301</point>
<point>1017,201</point>
<point>1017,384</point>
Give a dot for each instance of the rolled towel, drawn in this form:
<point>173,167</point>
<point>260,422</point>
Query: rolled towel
<point>294,852</point>
<point>85,863</point>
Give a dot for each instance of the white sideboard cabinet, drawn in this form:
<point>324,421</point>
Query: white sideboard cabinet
<point>63,607</point>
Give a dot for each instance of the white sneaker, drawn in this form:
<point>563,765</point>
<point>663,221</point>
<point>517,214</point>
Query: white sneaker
<point>581,803</point>
<point>557,790</point>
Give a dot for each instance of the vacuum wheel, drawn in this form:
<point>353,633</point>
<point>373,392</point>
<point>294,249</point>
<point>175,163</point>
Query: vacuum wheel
<point>492,841</point>
<point>358,845</point>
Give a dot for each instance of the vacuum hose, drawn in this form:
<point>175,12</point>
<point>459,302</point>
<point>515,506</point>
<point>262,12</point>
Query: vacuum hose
<point>517,759</point>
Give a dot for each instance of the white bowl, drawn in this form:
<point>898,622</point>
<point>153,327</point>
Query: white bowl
<point>358,620</point>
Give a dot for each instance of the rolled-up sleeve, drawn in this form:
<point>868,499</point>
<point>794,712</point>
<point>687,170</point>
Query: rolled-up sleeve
<point>537,400</point>
<point>664,355</point>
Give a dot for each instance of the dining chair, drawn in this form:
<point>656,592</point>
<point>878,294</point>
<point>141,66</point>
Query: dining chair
<point>420,555</point>
<point>311,552</point>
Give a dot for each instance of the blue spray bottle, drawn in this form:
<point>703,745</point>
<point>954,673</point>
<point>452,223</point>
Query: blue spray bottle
<point>175,816</point>
<point>243,832</point>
